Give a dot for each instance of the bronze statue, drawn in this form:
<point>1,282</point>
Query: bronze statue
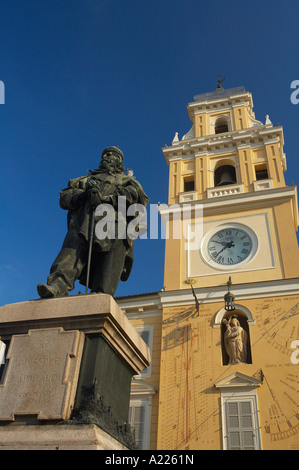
<point>112,258</point>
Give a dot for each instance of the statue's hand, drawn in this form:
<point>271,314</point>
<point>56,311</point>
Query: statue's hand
<point>90,184</point>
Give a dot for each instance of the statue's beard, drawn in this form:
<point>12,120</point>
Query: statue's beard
<point>113,167</point>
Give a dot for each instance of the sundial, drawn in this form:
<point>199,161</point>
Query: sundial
<point>279,329</point>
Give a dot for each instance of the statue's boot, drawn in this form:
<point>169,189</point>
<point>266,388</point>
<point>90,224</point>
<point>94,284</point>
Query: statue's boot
<point>46,291</point>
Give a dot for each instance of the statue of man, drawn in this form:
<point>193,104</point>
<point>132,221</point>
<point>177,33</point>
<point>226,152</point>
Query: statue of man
<point>235,341</point>
<point>112,257</point>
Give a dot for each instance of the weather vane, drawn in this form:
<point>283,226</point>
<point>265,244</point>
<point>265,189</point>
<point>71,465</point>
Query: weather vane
<point>220,80</point>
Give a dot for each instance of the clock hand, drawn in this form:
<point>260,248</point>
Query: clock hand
<point>227,245</point>
<point>222,250</point>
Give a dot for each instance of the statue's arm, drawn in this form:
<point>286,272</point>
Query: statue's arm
<point>132,191</point>
<point>129,192</point>
<point>74,195</point>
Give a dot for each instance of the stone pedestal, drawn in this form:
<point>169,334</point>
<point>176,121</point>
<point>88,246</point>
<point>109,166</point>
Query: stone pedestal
<point>68,373</point>
<point>54,437</point>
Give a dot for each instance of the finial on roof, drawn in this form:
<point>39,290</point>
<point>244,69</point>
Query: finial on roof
<point>176,138</point>
<point>220,80</point>
<point>268,119</point>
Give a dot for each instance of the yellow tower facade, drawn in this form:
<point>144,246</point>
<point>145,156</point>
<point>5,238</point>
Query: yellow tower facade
<point>229,373</point>
<point>224,329</point>
<point>232,166</point>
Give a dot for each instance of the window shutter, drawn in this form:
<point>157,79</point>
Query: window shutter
<point>137,421</point>
<point>145,335</point>
<point>240,426</point>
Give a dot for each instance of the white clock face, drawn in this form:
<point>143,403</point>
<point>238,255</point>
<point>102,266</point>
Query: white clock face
<point>230,246</point>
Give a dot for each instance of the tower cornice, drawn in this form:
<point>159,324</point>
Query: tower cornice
<point>226,142</point>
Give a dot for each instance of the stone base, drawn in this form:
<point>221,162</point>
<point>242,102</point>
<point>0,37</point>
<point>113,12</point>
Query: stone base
<point>90,314</point>
<point>69,359</point>
<point>57,437</point>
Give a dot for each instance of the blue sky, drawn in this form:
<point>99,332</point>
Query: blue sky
<point>80,75</point>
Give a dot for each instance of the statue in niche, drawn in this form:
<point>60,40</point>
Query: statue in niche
<point>112,257</point>
<point>235,341</point>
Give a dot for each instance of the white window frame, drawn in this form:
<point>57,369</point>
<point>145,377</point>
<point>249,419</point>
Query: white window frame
<point>146,403</point>
<point>239,387</point>
<point>240,396</point>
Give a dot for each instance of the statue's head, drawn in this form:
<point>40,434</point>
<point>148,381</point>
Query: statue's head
<point>114,150</point>
<point>231,322</point>
<point>234,322</point>
<point>112,159</point>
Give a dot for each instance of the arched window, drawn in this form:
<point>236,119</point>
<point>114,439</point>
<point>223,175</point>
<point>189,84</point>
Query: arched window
<point>221,125</point>
<point>225,174</point>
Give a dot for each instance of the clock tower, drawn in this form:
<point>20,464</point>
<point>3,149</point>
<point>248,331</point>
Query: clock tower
<point>229,373</point>
<point>232,166</point>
